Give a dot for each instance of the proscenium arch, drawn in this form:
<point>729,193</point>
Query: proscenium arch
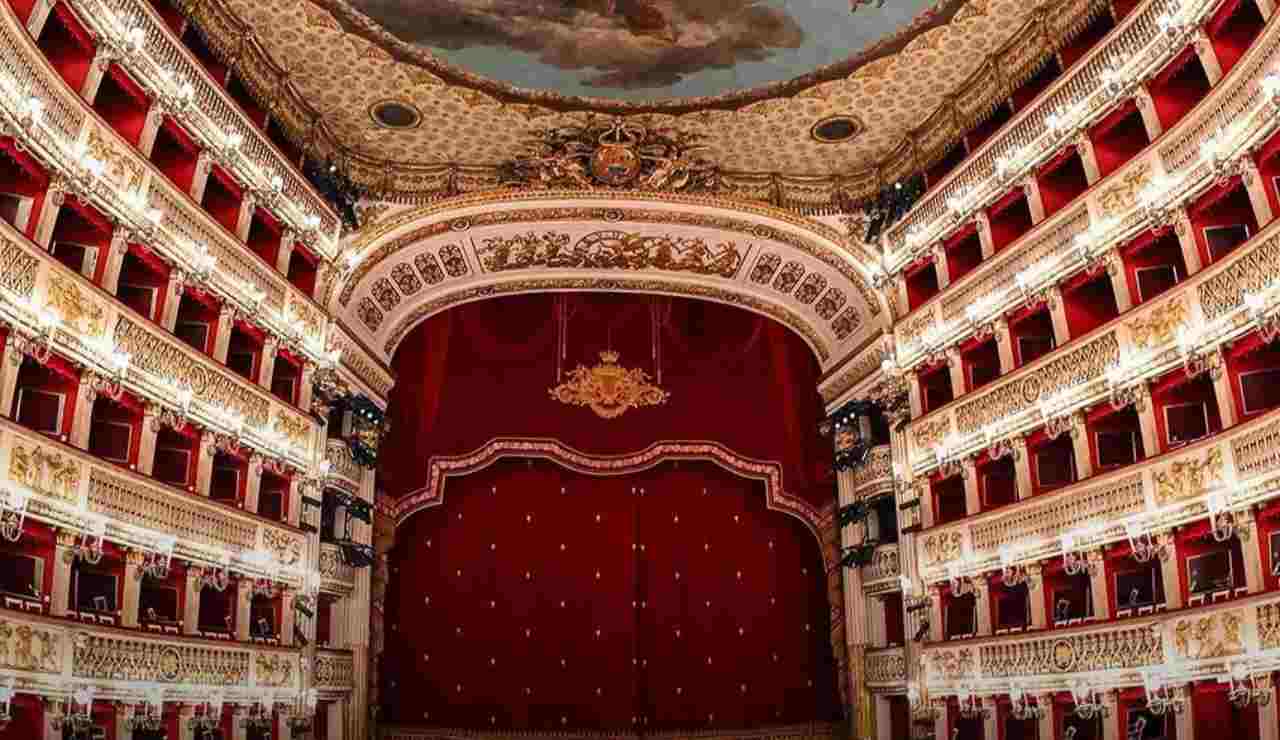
<point>416,262</point>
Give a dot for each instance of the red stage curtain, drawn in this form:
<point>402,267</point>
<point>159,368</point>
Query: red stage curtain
<point>483,371</point>
<point>711,610</point>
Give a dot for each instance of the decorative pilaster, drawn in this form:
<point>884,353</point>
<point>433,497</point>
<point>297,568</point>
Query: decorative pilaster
<point>336,723</point>
<point>185,714</point>
<point>93,78</point>
<point>1035,203</point>
<point>222,333</point>
<point>935,616</point>
<point>200,178</point>
<point>285,253</point>
<point>1208,56</point>
<point>150,128</point>
<point>120,237</point>
<point>244,220</point>
<point>253,482</point>
<point>294,513</point>
<point>1268,721</point>
<point>940,266</point>
<point>1186,725</point>
<point>9,366</point>
<point>244,600</point>
<point>982,606</point>
<point>60,599</point>
<point>204,463</point>
<point>1169,570</point>
<point>191,602</point>
<point>83,416</point>
<point>1253,183</point>
<point>900,285</point>
<point>172,300</point>
<point>238,715</point>
<point>1253,546</point>
<point>991,718</point>
<point>147,439</point>
<point>1022,467</point>
<point>35,22</point>
<point>985,241</point>
<point>1147,109</point>
<point>1080,447</point>
<point>1111,721</point>
<point>1119,282</point>
<point>287,618</point>
<point>915,398</point>
<point>1035,596</point>
<point>1187,241</point>
<point>1058,315</point>
<point>53,201</point>
<point>267,368</point>
<point>972,496</point>
<point>955,371</point>
<point>1044,726</point>
<point>1098,584</point>
<point>305,385</point>
<point>132,588</point>
<point>1088,158</point>
<point>1004,345</point>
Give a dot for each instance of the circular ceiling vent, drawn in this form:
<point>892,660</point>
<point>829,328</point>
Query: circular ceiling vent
<point>395,114</point>
<point>836,129</point>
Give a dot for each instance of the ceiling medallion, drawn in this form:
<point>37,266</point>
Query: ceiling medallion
<point>395,114</point>
<point>609,389</point>
<point>836,129</point>
<point>614,153</point>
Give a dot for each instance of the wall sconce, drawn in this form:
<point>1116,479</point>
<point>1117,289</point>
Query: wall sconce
<point>77,718</point>
<point>960,585</point>
<point>913,598</point>
<point>1088,702</point>
<point>1248,688</point>
<point>258,717</point>
<point>1221,518</point>
<point>121,45</point>
<point>1142,544</point>
<point>229,148</point>
<point>207,715</point>
<point>302,713</point>
<point>155,563</point>
<point>971,706</point>
<point>1262,314</point>
<point>216,578</point>
<point>1161,699</point>
<point>7,692</point>
<point>1075,562</point>
<point>39,347</point>
<point>175,418</point>
<point>1216,152</point>
<point>1012,574</point>
<point>174,97</point>
<point>89,542</point>
<point>148,714</point>
<point>1023,705</point>
<point>113,365</point>
<point>13,513</point>
<point>84,179</point>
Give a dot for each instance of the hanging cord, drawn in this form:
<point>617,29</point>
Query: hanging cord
<point>654,328</point>
<point>562,329</point>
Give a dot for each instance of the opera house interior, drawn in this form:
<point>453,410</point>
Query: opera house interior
<point>639,369</point>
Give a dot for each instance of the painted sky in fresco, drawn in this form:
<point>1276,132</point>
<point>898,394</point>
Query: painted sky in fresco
<point>640,49</point>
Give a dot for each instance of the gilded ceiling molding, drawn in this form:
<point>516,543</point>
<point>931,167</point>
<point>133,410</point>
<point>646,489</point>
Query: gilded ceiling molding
<point>441,468</point>
<point>620,283</point>
<point>807,731</point>
<point>1025,36</point>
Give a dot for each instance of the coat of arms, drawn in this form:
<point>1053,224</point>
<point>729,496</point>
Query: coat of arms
<point>608,388</point>
<point>613,153</point>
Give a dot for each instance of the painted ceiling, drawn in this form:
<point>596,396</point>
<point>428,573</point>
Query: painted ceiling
<point>343,64</point>
<point>644,49</point>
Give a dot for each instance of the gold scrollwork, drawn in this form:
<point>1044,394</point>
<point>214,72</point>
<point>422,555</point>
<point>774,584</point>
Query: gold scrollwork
<point>609,250</point>
<point>1188,478</point>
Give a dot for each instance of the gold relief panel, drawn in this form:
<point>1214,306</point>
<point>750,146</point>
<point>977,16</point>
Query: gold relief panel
<point>1269,626</point>
<point>293,427</point>
<point>274,671</point>
<point>614,250</point>
<point>29,648</point>
<point>284,546</point>
<point>929,433</point>
<point>17,269</point>
<point>1121,197</point>
<point>119,168</point>
<point>939,548</point>
<point>1190,477</point>
<point>166,359</point>
<point>78,310</point>
<point>45,471</point>
<point>103,656</point>
<point>952,665</point>
<point>1160,325</point>
<point>1209,636</point>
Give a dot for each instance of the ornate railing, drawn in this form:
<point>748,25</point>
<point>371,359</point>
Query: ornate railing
<point>1205,642</point>
<point>886,667</point>
<point>334,670</point>
<point>336,576</point>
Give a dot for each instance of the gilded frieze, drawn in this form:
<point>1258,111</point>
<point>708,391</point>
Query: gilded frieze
<point>167,359</point>
<point>952,665</point>
<point>941,547</point>
<point>284,546</point>
<point>293,427</point>
<point>1074,368</point>
<point>187,519</point>
<point>26,647</point>
<point>615,250</point>
<point>1160,325</point>
<point>47,471</point>
<point>1189,478</point>
<point>118,167</point>
<point>17,269</point>
<point>1130,647</point>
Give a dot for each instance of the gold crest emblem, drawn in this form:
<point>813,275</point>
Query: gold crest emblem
<point>608,388</point>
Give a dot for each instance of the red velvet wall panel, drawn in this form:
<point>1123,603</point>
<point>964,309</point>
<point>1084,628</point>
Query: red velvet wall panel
<point>542,599</point>
<point>483,371</point>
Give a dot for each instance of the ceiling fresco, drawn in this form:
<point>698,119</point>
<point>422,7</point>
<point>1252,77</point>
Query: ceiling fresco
<point>646,49</point>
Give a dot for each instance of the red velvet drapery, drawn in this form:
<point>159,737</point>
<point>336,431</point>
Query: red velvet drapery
<point>483,370</point>
<point>543,599</point>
